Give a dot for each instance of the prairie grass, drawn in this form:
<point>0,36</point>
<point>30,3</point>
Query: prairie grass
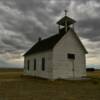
<point>94,74</point>
<point>15,86</point>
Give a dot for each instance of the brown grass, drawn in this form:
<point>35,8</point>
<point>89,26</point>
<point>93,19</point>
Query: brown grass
<point>94,74</point>
<point>14,86</point>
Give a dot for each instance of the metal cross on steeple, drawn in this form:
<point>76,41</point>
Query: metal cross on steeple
<point>66,12</point>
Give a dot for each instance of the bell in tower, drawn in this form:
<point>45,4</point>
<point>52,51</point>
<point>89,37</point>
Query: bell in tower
<point>65,22</point>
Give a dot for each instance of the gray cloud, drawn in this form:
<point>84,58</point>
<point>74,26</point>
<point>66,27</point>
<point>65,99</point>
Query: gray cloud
<point>23,21</point>
<point>89,28</point>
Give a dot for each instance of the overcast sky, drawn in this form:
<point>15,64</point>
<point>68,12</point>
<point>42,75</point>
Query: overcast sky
<point>23,21</point>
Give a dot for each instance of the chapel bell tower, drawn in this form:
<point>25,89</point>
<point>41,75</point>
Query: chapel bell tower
<point>65,22</point>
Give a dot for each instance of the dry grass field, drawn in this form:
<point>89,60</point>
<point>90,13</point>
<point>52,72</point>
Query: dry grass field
<point>14,86</point>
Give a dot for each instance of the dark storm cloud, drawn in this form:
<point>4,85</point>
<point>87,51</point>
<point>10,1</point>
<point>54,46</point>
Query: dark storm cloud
<point>88,23</point>
<point>90,29</point>
<point>23,21</point>
<point>40,11</point>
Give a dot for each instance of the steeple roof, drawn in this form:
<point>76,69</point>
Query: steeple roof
<point>64,19</point>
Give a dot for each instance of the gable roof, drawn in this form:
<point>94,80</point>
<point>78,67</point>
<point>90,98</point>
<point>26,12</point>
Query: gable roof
<point>49,43</point>
<point>45,44</point>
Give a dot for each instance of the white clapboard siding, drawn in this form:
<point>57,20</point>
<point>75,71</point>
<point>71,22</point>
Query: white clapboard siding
<point>38,72</point>
<point>62,66</point>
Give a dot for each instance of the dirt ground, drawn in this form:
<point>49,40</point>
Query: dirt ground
<point>15,86</point>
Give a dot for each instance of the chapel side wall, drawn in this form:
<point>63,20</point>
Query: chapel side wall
<point>61,64</point>
<point>38,72</point>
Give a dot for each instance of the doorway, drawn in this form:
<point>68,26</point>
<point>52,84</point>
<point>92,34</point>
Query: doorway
<point>71,59</point>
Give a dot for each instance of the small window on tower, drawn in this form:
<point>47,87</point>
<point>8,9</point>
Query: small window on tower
<point>71,56</point>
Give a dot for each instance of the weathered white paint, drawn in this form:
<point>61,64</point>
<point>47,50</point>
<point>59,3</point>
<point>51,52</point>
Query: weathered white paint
<point>62,66</point>
<point>38,72</point>
<point>57,63</point>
